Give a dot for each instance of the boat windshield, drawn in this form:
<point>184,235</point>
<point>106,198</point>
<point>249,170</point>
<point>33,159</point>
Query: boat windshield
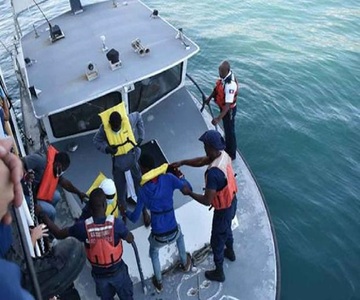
<point>84,117</point>
<point>150,90</point>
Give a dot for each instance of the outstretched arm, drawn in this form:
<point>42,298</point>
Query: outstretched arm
<point>194,162</point>
<point>204,199</point>
<point>58,233</point>
<point>134,216</point>
<point>67,185</point>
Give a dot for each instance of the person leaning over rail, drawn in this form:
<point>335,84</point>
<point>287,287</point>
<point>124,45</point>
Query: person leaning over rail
<point>220,194</point>
<point>10,194</point>
<point>45,173</point>
<point>225,94</point>
<point>102,237</point>
<point>156,194</point>
<point>120,135</point>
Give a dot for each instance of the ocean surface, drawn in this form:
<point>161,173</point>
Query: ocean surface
<point>298,121</point>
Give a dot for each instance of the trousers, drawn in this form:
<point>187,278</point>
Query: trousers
<point>221,233</point>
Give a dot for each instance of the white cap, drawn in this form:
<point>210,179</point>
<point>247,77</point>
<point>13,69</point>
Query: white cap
<point>108,186</point>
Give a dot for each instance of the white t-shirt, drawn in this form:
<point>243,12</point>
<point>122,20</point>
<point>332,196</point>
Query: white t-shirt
<point>230,89</point>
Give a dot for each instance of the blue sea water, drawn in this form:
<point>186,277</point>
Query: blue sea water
<point>298,122</point>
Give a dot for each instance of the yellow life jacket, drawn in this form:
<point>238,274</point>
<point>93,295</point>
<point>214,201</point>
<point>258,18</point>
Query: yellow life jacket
<point>153,173</point>
<point>111,208</point>
<point>125,132</point>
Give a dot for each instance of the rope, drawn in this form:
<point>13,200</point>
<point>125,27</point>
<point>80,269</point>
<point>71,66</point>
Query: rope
<point>32,214</point>
<point>200,255</point>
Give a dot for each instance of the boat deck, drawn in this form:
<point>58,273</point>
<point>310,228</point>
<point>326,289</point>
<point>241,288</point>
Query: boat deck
<point>252,276</point>
<point>59,70</point>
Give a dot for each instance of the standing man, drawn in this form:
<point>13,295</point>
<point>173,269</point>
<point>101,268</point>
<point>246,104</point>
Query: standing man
<point>225,94</point>
<point>220,194</point>
<point>46,173</point>
<point>116,136</point>
<point>102,238</point>
<point>156,194</point>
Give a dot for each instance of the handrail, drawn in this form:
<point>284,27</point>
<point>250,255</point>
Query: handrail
<point>19,216</point>
<point>203,98</point>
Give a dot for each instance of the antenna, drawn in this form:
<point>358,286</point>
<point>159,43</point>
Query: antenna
<point>42,13</point>
<point>55,31</point>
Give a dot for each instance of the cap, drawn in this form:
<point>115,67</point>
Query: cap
<point>213,139</point>
<point>108,186</point>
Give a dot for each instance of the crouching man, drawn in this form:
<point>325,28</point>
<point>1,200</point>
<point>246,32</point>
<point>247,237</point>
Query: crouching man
<point>102,238</point>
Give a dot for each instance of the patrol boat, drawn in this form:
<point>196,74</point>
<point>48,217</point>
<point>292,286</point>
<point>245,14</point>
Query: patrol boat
<point>79,61</point>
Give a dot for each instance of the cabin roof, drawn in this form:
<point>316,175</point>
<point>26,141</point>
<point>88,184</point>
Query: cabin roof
<point>60,67</point>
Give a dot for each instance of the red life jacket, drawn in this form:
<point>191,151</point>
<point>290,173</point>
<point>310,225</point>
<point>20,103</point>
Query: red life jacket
<point>224,197</point>
<point>48,181</point>
<point>220,91</point>
<point>101,250</point>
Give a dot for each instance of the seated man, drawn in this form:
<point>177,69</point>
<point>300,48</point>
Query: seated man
<point>55,271</point>
<point>101,236</point>
<point>44,173</point>
<point>156,194</point>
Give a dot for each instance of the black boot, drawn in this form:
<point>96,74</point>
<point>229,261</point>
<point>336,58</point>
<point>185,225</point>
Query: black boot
<point>229,254</point>
<point>216,275</point>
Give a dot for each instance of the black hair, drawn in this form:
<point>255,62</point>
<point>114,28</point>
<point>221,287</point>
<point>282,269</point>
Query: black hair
<point>147,161</point>
<point>64,159</point>
<point>115,120</point>
<point>96,200</point>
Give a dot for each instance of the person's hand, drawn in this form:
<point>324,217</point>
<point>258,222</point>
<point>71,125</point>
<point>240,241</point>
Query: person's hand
<point>175,171</point>
<point>215,121</point>
<point>83,197</point>
<point>139,141</point>
<point>175,165</point>
<point>129,238</point>
<point>111,150</point>
<point>11,172</point>
<point>122,210</point>
<point>39,231</point>
<point>186,190</point>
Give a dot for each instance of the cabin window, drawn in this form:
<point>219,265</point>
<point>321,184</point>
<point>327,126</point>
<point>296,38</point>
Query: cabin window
<point>82,118</point>
<point>150,90</point>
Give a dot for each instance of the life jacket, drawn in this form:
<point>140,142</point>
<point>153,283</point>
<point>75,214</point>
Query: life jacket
<point>48,181</point>
<point>100,249</point>
<point>125,132</point>
<point>111,209</point>
<point>220,91</point>
<point>153,173</point>
<point>224,197</point>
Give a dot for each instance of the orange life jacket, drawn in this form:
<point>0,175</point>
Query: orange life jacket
<point>220,91</point>
<point>48,181</point>
<point>101,250</point>
<point>224,197</point>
